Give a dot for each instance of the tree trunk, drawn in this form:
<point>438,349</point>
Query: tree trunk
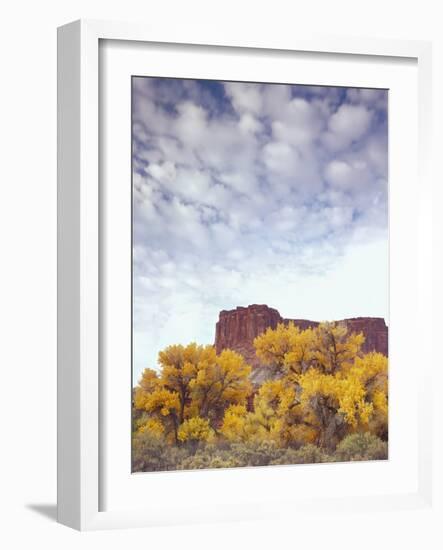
<point>332,425</point>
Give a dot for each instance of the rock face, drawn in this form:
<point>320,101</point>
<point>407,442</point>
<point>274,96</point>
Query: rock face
<point>237,328</point>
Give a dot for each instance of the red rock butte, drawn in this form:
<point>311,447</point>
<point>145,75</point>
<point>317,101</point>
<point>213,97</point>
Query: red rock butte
<point>237,328</point>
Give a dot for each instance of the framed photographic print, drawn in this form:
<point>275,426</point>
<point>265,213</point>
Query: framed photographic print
<point>246,191</point>
<point>239,224</point>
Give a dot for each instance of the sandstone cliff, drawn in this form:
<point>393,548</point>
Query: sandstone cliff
<point>237,328</point>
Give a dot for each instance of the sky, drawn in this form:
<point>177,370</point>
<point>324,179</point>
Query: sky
<point>254,193</point>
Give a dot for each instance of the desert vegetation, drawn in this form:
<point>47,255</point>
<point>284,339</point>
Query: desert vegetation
<point>321,400</point>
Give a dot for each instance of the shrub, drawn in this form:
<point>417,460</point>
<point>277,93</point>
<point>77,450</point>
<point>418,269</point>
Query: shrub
<point>308,454</point>
<point>235,455</point>
<point>260,453</point>
<point>209,460</point>
<point>150,453</point>
<point>199,461</point>
<point>361,446</point>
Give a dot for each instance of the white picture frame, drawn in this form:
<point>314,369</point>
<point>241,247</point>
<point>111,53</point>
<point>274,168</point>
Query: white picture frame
<point>79,253</point>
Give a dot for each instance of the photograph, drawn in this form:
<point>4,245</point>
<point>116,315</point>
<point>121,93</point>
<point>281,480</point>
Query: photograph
<point>260,274</point>
<point>222,275</point>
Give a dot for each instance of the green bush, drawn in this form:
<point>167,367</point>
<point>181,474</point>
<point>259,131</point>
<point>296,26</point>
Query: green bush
<point>361,446</point>
<point>208,460</point>
<point>308,454</point>
<point>153,454</point>
<point>234,455</point>
<point>255,454</point>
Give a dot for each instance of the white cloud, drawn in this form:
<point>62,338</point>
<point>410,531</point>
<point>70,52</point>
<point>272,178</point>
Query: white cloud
<point>191,124</point>
<point>249,124</point>
<point>245,97</point>
<point>163,172</point>
<point>280,158</point>
<point>339,173</point>
<point>351,176</point>
<point>349,124</point>
<point>300,123</point>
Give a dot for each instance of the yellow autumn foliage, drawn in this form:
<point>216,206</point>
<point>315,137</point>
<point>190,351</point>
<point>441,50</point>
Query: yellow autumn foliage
<point>332,381</point>
<point>195,429</point>
<point>319,389</point>
<point>193,382</point>
<point>153,427</point>
<point>219,381</point>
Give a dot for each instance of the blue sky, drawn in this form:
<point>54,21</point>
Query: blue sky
<point>255,193</point>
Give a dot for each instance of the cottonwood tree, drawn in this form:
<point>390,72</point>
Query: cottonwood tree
<point>336,389</point>
<point>221,380</point>
<point>192,382</point>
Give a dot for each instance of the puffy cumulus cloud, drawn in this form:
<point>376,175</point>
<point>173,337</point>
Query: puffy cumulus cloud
<point>339,173</point>
<point>244,192</point>
<point>300,123</point>
<point>349,175</point>
<point>374,99</point>
<point>245,97</point>
<point>280,158</point>
<point>346,126</point>
<point>249,124</point>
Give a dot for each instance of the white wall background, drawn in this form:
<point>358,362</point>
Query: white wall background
<point>28,264</point>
